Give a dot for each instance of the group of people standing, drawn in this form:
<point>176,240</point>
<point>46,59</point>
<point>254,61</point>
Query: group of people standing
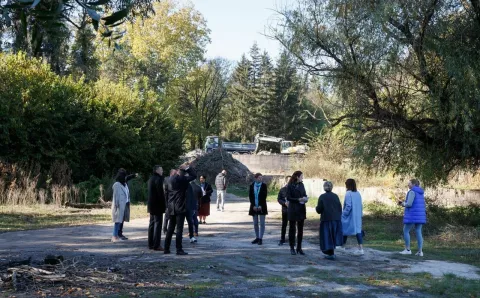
<point>336,222</point>
<point>177,197</point>
<point>180,199</point>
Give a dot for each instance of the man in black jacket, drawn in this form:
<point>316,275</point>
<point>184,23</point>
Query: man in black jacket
<point>177,187</point>
<point>156,207</point>
<point>282,200</point>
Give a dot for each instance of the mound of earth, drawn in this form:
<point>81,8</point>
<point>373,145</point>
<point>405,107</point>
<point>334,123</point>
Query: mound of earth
<point>213,163</point>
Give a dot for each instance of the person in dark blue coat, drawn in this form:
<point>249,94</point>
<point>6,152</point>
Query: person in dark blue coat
<point>415,216</point>
<point>330,209</point>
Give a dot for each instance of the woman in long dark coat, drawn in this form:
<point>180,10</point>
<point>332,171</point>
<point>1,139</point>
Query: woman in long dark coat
<point>297,213</point>
<point>204,203</point>
<point>330,209</point>
<point>258,207</point>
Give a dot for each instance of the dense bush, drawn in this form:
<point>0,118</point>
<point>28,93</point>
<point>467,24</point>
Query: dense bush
<point>94,129</point>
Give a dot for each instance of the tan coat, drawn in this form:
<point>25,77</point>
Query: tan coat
<point>119,203</point>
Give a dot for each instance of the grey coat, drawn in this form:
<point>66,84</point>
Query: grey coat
<point>119,203</point>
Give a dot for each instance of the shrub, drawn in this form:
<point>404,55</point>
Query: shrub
<point>84,129</point>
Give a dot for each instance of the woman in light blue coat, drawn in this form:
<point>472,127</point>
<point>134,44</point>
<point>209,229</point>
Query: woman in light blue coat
<point>352,215</point>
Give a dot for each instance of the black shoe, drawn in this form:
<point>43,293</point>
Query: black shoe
<point>123,237</point>
<point>300,252</point>
<point>255,241</point>
<point>259,241</point>
<point>204,223</point>
<point>281,242</point>
<point>292,251</point>
<point>166,252</point>
<point>181,253</point>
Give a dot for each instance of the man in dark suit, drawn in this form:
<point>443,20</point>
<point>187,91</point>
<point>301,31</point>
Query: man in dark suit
<point>156,207</point>
<point>177,187</point>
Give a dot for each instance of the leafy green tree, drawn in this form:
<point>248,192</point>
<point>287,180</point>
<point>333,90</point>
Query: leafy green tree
<point>83,61</point>
<point>33,21</point>
<point>237,119</point>
<point>197,99</point>
<point>405,78</point>
<point>165,47</point>
<point>46,118</point>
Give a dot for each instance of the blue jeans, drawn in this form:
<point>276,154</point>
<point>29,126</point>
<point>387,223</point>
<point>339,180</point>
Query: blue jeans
<point>418,233</point>
<point>259,232</point>
<point>116,228</point>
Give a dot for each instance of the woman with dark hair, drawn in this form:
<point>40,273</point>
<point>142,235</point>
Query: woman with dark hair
<point>297,213</point>
<point>258,206</point>
<point>352,215</point>
<point>119,202</point>
<point>330,209</point>
<point>207,191</point>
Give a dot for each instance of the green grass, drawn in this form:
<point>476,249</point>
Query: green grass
<point>33,217</point>
<point>445,238</point>
<point>448,286</point>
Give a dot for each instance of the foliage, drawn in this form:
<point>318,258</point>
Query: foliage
<point>166,46</point>
<point>197,99</point>
<point>33,22</point>
<point>404,77</point>
<point>94,129</point>
<point>264,98</point>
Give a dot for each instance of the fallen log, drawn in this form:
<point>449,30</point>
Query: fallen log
<point>87,205</point>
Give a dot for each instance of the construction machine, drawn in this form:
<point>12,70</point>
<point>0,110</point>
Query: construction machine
<point>214,142</point>
<point>264,143</point>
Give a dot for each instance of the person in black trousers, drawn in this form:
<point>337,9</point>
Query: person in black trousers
<point>127,207</point>
<point>282,200</point>
<point>194,193</point>
<point>297,213</point>
<point>177,187</point>
<point>156,207</point>
<point>166,218</point>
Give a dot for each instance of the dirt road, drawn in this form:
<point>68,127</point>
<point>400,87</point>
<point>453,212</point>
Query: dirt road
<point>223,262</point>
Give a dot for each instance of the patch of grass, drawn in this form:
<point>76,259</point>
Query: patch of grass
<point>33,217</point>
<point>441,240</point>
<point>280,281</point>
<point>449,285</point>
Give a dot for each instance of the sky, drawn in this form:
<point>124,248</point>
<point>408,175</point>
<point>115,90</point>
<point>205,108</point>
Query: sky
<point>236,24</point>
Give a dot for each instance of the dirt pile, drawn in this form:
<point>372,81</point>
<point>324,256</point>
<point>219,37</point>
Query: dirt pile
<point>212,163</point>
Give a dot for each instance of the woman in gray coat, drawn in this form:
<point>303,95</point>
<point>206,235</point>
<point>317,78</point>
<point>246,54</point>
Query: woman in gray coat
<point>119,202</point>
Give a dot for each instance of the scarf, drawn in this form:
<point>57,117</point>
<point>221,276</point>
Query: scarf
<point>256,191</point>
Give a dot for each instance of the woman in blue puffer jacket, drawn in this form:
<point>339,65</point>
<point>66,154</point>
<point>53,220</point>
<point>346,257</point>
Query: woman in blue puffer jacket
<point>415,216</point>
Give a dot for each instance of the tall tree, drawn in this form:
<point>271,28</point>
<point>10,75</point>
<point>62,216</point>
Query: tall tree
<point>405,75</point>
<point>164,47</point>
<point>83,61</point>
<point>237,119</point>
<point>266,109</point>
<point>198,98</point>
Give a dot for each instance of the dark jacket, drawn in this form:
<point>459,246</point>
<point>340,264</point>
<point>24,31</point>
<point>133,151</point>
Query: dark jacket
<point>296,211</point>
<point>329,207</point>
<point>156,197</point>
<point>262,199</point>
<point>194,193</point>
<point>208,193</point>
<point>282,199</point>
<point>221,182</point>
<point>177,191</point>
